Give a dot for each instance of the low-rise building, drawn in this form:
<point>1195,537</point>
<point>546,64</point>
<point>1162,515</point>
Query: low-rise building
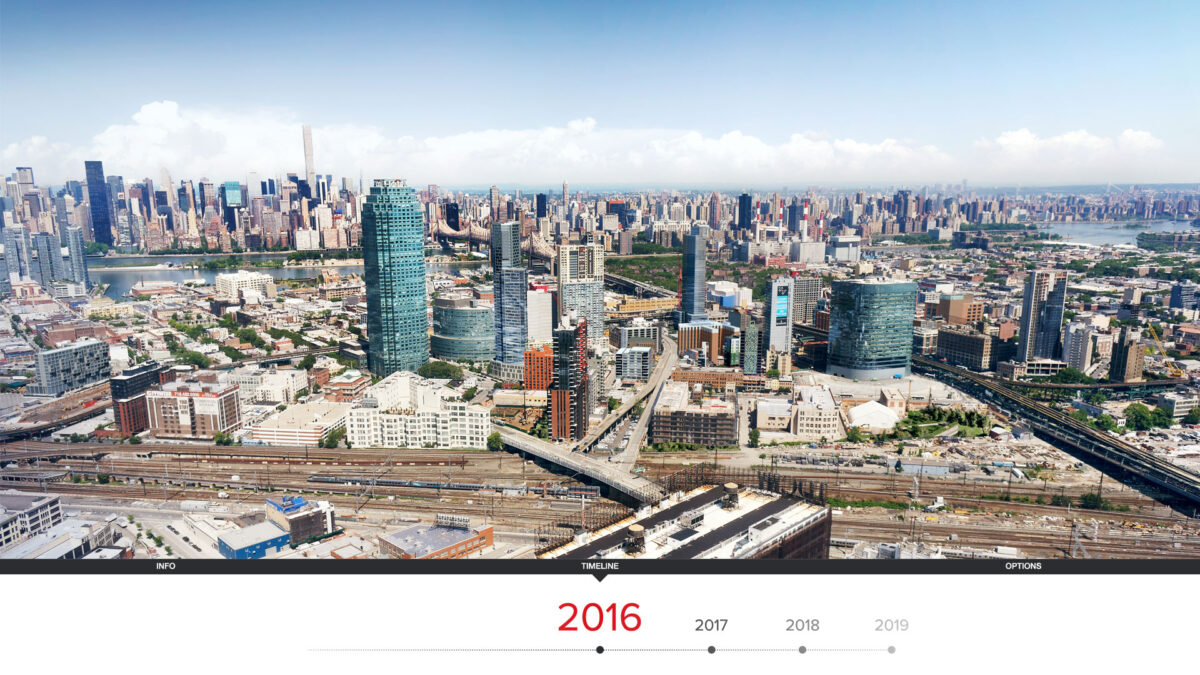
<point>404,410</point>
<point>449,537</point>
<point>193,409</point>
<point>303,424</point>
<point>1178,405</point>
<point>301,519</point>
<point>634,363</point>
<point>346,387</point>
<point>253,542</point>
<point>676,419</point>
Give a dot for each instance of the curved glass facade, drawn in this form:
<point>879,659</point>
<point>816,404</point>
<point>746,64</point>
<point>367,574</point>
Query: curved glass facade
<point>462,331</point>
<point>871,328</point>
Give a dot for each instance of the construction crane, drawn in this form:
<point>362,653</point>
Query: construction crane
<point>1173,369</point>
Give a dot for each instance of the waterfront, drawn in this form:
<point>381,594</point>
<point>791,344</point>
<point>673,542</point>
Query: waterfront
<point>1112,233</point>
<point>121,279</point>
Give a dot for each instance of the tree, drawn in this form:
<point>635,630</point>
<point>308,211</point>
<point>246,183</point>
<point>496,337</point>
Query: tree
<point>1193,416</point>
<point>494,443</point>
<point>773,374</point>
<point>470,394</point>
<point>222,438</point>
<point>1137,417</point>
<point>440,370</point>
<point>1161,418</point>
<point>613,404</point>
<point>899,466</point>
<point>854,435</point>
<point>308,362</point>
<point>135,440</point>
<point>754,436</point>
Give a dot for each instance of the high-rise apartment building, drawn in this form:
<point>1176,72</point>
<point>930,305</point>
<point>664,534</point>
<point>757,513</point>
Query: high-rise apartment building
<point>1042,307</point>
<point>49,266</point>
<point>1128,357</point>
<point>693,293</point>
<point>581,287</point>
<point>78,256</point>
<point>568,397</point>
<point>871,328</point>
<point>99,203</point>
<point>510,283</point>
<point>394,261</point>
<point>806,295</point>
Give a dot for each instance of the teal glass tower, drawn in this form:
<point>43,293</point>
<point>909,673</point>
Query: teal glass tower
<point>871,328</point>
<point>394,258</point>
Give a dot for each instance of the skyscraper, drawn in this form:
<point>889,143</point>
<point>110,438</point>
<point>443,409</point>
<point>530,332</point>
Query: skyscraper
<point>100,206</point>
<point>510,286</point>
<point>394,260</point>
<point>17,254</point>
<point>779,313</point>
<point>49,266</point>
<point>805,297</point>
<point>745,212</point>
<point>1040,335</point>
<point>714,210</point>
<point>541,205</point>
<point>566,198</point>
<point>569,387</point>
<point>77,257</point>
<point>309,173</point>
<point>581,287</point>
<point>693,293</point>
<point>871,328</point>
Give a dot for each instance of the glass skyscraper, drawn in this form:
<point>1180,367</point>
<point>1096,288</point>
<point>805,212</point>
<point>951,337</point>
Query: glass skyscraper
<point>78,258</point>
<point>510,285</point>
<point>871,328</point>
<point>691,306</point>
<point>394,260</point>
<point>99,204</point>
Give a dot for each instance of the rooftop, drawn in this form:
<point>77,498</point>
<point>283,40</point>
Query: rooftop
<point>315,414</point>
<point>695,525</point>
<point>421,540</point>
<point>254,534</point>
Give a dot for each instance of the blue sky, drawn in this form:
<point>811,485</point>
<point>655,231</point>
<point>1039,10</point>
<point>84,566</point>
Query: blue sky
<point>943,81</point>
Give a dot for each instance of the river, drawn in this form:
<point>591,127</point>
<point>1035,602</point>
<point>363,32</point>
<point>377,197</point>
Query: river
<point>121,279</point>
<point>1109,234</point>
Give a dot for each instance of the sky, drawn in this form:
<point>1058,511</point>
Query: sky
<point>667,93</point>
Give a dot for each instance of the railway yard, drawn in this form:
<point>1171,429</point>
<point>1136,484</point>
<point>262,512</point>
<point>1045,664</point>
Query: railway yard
<point>372,489</point>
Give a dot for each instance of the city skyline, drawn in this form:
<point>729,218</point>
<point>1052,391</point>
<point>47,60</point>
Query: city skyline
<point>626,105</point>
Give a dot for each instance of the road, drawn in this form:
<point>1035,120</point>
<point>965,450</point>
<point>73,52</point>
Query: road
<point>628,459</point>
<point>581,464</point>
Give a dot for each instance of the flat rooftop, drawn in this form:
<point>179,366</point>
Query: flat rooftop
<point>317,414</point>
<point>421,540</point>
<point>254,534</point>
<point>696,526</point>
<point>20,501</point>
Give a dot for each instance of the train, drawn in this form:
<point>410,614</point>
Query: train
<point>589,491</point>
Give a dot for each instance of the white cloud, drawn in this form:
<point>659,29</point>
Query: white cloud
<point>222,144</point>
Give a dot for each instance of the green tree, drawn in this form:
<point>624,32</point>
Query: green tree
<point>135,440</point>
<point>854,435</point>
<point>773,374</point>
<point>308,362</point>
<point>221,438</point>
<point>1193,416</point>
<point>440,370</point>
<point>494,443</point>
<point>1138,417</point>
<point>754,436</point>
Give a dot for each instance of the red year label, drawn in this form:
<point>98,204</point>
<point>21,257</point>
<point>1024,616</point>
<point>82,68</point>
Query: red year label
<point>593,617</point>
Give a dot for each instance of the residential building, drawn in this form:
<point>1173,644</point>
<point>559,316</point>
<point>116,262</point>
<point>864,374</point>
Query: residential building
<point>779,309</point>
<point>1128,357</point>
<point>394,259</point>
<point>635,363</point>
<point>72,366</point>
<point>967,348</point>
<point>569,389</point>
<point>1042,308</point>
<point>231,286</point>
<point>676,419</point>
<point>129,396</point>
<point>693,293</point>
<point>539,368</point>
<point>404,410</point>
